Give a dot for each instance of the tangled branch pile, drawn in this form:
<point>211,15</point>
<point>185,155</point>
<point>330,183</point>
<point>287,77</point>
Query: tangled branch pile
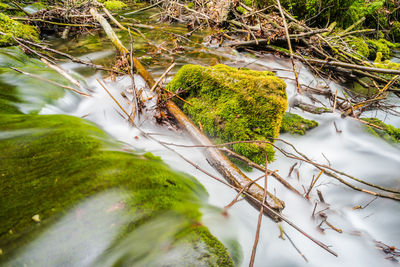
<point>348,51</point>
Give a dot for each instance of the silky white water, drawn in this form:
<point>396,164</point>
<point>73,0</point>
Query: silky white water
<point>354,151</point>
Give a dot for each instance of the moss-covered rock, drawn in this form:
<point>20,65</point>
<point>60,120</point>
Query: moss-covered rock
<point>234,105</point>
<point>358,89</point>
<point>380,46</point>
<point>16,29</point>
<point>295,124</point>
<point>389,132</point>
<point>385,64</point>
<point>360,46</point>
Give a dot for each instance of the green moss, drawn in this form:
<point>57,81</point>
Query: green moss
<point>248,2</point>
<point>395,31</point>
<point>386,64</point>
<point>359,89</point>
<point>241,10</point>
<point>359,46</point>
<point>16,29</point>
<point>281,49</point>
<point>3,7</point>
<point>242,165</point>
<point>295,124</point>
<point>389,132</point>
<point>21,92</point>
<point>196,235</point>
<point>234,105</point>
<point>49,163</point>
<point>383,46</point>
<point>115,5</point>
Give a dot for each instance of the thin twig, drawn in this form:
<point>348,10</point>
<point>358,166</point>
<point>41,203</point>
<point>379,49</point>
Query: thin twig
<point>290,46</point>
<point>162,77</point>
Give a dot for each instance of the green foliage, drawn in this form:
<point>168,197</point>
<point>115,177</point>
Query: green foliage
<point>389,132</point>
<point>344,12</point>
<point>3,6</point>
<point>295,124</point>
<point>16,29</point>
<point>114,5</point>
<point>234,105</point>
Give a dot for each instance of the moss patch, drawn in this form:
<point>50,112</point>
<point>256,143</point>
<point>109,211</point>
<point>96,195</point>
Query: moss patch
<point>389,132</point>
<point>114,5</point>
<point>395,31</point>
<point>16,29</point>
<point>359,45</point>
<point>386,64</point>
<point>383,46</point>
<point>295,124</point>
<point>234,105</point>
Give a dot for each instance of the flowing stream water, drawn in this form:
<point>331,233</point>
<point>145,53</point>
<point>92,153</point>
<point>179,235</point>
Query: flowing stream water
<point>353,150</point>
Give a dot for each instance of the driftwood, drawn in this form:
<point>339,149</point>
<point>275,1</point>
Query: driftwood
<point>214,156</point>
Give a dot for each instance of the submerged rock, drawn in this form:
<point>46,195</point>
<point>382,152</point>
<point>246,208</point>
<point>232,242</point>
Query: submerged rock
<point>295,124</point>
<point>232,104</point>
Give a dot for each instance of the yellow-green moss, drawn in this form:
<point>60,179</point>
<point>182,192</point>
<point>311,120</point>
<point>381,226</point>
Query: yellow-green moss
<point>4,6</point>
<point>248,2</point>
<point>359,46</point>
<point>386,64</point>
<point>395,31</point>
<point>240,9</point>
<point>295,124</point>
<point>114,5</point>
<point>358,89</point>
<point>383,46</point>
<point>16,29</point>
<point>234,105</point>
<point>389,132</point>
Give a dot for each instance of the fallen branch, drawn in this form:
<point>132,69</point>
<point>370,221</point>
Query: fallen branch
<point>290,47</point>
<point>233,154</point>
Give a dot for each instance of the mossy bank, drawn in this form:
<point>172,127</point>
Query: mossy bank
<point>232,104</point>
